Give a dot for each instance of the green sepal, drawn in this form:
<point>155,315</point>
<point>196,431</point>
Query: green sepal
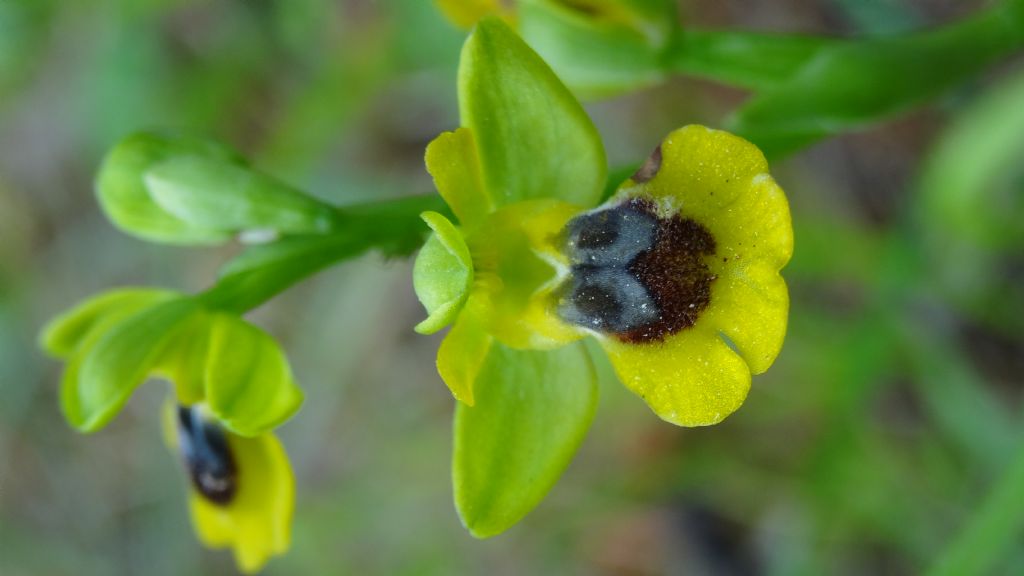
<point>443,274</point>
<point>249,384</point>
<point>124,197</point>
<point>534,138</point>
<point>110,363</point>
<point>211,194</point>
<point>65,333</point>
<point>183,359</point>
<point>531,413</point>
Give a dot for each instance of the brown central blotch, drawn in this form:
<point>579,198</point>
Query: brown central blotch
<point>675,275</point>
<point>636,276</point>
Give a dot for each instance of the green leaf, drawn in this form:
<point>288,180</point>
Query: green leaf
<point>852,84</point>
<point>992,531</point>
<point>443,274</point>
<point>534,139</point>
<point>249,385</point>
<point>967,192</point>
<point>211,194</point>
<point>597,51</point>
<point>745,59</point>
<point>125,199</point>
<point>65,333</point>
<point>110,365</point>
<point>532,411</point>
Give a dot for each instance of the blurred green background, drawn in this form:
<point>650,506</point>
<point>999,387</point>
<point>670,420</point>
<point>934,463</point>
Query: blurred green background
<point>886,438</point>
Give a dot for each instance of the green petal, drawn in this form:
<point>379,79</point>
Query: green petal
<point>125,199</point>
<point>461,356</point>
<point>533,137</point>
<point>110,364</point>
<point>65,333</point>
<point>249,385</point>
<point>215,195</point>
<point>453,162</point>
<point>443,274</point>
<point>532,411</point>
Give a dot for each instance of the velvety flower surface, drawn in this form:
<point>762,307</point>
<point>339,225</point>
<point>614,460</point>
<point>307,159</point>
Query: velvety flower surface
<point>676,276</point>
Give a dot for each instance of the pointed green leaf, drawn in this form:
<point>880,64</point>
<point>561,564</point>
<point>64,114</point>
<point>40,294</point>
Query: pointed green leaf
<point>532,411</point>
<point>249,385</point>
<point>107,369</point>
<point>125,199</point>
<point>443,274</point>
<point>215,195</point>
<point>851,84</point>
<point>63,335</point>
<point>534,139</point>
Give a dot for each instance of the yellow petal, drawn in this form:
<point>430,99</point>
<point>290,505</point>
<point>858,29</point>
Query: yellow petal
<point>750,305</point>
<point>453,162</point>
<point>257,521</point>
<point>462,354</point>
<point>692,378</point>
<point>721,181</point>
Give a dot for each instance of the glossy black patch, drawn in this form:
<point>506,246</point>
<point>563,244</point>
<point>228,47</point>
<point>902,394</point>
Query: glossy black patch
<point>610,238</point>
<point>608,299</point>
<point>635,275</point>
<point>207,455</point>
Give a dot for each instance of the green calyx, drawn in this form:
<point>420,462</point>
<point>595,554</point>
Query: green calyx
<point>443,274</point>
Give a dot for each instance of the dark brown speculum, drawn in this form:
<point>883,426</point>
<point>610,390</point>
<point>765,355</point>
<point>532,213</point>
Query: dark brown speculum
<point>636,275</point>
<point>207,455</point>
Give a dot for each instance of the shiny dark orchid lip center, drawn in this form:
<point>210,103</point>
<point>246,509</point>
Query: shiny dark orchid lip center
<point>207,455</point>
<point>635,275</point>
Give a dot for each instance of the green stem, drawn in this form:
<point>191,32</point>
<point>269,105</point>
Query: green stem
<point>261,272</point>
<point>993,528</point>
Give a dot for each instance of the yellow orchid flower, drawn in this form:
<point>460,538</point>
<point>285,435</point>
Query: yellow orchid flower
<point>241,490</point>
<point>676,276</point>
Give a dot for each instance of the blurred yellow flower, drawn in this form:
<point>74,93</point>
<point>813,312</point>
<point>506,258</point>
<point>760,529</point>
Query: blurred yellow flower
<point>242,491</point>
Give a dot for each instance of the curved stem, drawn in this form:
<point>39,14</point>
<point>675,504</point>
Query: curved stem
<point>261,272</point>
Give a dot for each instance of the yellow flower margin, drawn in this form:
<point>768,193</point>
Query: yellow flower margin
<point>694,377</point>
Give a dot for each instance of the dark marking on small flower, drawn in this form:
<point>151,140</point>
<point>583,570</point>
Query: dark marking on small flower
<point>204,448</point>
<point>650,167</point>
<point>657,287</point>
